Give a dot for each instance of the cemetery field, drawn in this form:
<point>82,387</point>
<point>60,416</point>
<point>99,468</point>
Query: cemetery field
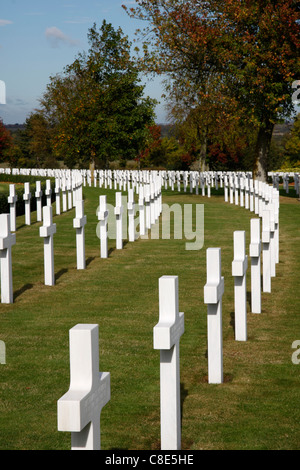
<point>257,406</point>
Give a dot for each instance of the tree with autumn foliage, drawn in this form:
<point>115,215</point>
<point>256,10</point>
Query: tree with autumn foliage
<point>245,51</point>
<point>96,109</point>
<point>6,142</point>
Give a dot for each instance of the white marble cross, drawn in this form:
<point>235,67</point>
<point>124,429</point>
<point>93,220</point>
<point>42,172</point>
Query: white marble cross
<point>275,198</point>
<point>131,210</point>
<point>226,188</point>
<point>251,196</point>
<point>47,231</point>
<point>48,192</point>
<point>152,203</point>
<point>142,210</point>
<point>271,208</point>
<point>57,195</point>
<point>119,221</point>
<point>64,194</point>
<point>69,192</point>
<point>79,223</point>
<point>266,251</point>
<point>103,217</point>
<point>38,195</point>
<point>27,198</point>
<point>166,336</point>
<point>12,200</point>
<point>213,293</point>
<point>7,240</point>
<point>255,255</point>
<point>239,269</point>
<point>147,204</point>
<point>79,410</point>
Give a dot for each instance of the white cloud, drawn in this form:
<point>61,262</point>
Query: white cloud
<point>5,22</point>
<point>57,37</point>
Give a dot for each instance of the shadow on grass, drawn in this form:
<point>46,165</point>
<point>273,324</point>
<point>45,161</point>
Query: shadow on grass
<point>60,273</point>
<point>89,260</point>
<point>22,290</point>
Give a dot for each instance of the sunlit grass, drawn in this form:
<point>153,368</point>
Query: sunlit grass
<point>255,407</point>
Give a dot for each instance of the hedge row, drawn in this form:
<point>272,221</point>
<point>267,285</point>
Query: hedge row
<point>20,206</point>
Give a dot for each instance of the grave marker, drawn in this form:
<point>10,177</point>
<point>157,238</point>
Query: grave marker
<point>12,200</point>
<point>79,223</point>
<point>131,210</point>
<point>119,222</point>
<point>239,269</point>
<point>57,195</point>
<point>213,293</point>
<point>166,336</point>
<point>80,408</point>
<point>255,253</point>
<point>103,217</point>
<point>48,192</point>
<point>266,251</point>
<point>142,210</point>
<point>47,231</point>
<point>27,198</point>
<point>38,195</point>
<point>7,240</point>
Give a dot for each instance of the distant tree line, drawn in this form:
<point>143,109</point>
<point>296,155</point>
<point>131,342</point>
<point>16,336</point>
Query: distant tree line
<point>229,70</point>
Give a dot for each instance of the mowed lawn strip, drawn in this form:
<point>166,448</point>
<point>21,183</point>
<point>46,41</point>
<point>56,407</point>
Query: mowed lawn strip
<point>255,407</point>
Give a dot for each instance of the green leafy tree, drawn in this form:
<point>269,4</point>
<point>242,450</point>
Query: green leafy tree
<point>96,108</point>
<point>39,140</point>
<point>246,51</point>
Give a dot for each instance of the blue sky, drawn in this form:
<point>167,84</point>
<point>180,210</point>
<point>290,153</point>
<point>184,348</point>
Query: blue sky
<point>38,38</point>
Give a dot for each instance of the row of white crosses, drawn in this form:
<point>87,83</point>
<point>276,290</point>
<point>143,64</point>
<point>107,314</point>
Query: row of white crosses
<point>265,240</point>
<point>71,189</point>
<point>149,206</point>
<point>47,231</point>
<point>263,200</point>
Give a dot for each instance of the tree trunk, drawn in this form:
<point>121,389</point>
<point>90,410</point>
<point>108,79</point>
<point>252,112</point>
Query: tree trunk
<point>260,171</point>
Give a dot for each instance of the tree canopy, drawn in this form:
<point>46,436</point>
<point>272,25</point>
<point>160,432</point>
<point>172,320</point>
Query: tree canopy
<point>241,54</point>
<point>96,109</point>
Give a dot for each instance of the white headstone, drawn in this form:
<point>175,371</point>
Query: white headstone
<point>166,336</point>
<point>239,269</point>
<point>102,217</point>
<point>131,211</point>
<point>12,200</point>
<point>255,255</point>
<point>64,194</point>
<point>7,240</point>
<point>79,223</point>
<point>57,195</point>
<point>213,293</point>
<point>47,231</point>
<point>142,210</point>
<point>266,251</point>
<point>271,208</point>
<point>38,195</point>
<point>27,198</point>
<point>147,204</point>
<point>48,192</point>
<point>119,221</point>
<point>80,408</point>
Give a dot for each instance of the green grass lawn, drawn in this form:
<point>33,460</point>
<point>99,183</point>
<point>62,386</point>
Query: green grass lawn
<point>257,406</point>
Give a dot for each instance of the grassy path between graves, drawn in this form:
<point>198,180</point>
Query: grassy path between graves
<point>257,406</point>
